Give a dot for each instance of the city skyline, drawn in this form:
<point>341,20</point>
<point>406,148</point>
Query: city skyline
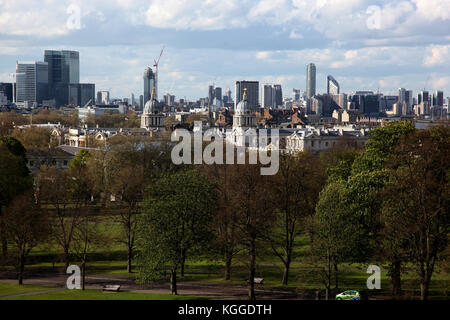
<point>262,41</point>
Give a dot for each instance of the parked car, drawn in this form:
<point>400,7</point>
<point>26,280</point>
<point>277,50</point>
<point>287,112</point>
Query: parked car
<point>349,295</point>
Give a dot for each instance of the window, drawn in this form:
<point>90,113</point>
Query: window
<point>65,162</point>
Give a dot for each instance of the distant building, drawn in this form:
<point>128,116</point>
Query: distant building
<point>296,94</point>
<point>252,93</point>
<point>332,86</point>
<point>102,97</point>
<point>271,96</point>
<point>31,81</point>
<point>169,100</point>
<point>7,89</point>
<point>310,80</point>
<point>149,84</point>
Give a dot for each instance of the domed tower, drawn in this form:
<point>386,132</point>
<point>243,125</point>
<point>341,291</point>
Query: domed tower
<point>151,118</point>
<point>243,117</point>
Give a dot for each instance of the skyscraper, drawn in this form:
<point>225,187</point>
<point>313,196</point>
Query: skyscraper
<point>310,80</point>
<point>149,83</point>
<point>63,66</point>
<point>252,93</point>
<point>272,96</point>
<point>332,85</point>
<point>31,81</point>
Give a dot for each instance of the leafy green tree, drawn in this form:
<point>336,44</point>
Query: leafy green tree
<point>175,224</point>
<point>416,202</point>
<point>335,234</point>
<point>367,179</point>
<point>14,176</point>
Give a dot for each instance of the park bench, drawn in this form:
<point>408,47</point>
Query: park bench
<point>112,287</point>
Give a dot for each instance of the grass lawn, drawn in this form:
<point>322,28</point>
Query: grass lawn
<point>7,289</point>
<point>91,294</point>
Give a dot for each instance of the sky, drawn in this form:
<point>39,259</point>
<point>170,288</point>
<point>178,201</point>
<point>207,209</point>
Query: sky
<point>364,44</point>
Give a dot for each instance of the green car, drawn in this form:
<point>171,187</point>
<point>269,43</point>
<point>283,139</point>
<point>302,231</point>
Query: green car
<point>349,295</point>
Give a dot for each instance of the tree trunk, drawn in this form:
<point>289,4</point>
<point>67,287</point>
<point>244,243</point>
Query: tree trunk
<point>183,260</point>
<point>66,257</point>
<point>83,274</point>
<point>173,281</point>
<point>228,259</point>
<point>4,247</point>
<point>336,280</point>
<point>21,269</point>
<point>130,257</point>
<point>287,265</point>
<point>328,276</point>
<point>251,289</point>
<point>395,278</point>
<point>425,286</point>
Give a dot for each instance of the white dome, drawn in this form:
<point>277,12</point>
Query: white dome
<point>150,106</point>
<point>242,106</point>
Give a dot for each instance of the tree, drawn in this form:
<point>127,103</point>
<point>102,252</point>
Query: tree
<point>128,187</point>
<point>86,239</point>
<point>226,242</point>
<point>175,224</point>
<point>66,195</point>
<point>367,179</point>
<point>417,199</point>
<point>295,191</point>
<point>33,137</point>
<point>254,215</point>
<point>27,226</point>
<point>14,176</point>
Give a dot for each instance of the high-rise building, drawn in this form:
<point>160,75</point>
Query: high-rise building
<point>63,66</point>
<point>340,100</point>
<point>366,102</point>
<point>439,98</point>
<point>31,81</point>
<point>296,94</point>
<point>81,94</point>
<point>149,83</point>
<point>267,97</point>
<point>271,96</point>
<point>218,93</point>
<point>310,80</point>
<point>332,85</point>
<point>211,94</point>
<point>169,100</point>
<point>228,93</point>
<point>63,69</point>
<point>252,93</point>
<point>103,97</point>
<point>7,89</point>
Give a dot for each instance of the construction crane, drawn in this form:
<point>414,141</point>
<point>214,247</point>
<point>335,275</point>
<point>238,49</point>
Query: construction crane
<point>156,72</point>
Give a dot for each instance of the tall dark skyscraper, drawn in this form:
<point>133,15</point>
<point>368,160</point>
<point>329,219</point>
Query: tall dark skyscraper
<point>252,93</point>
<point>310,80</point>
<point>64,79</point>
<point>149,83</point>
<point>63,66</point>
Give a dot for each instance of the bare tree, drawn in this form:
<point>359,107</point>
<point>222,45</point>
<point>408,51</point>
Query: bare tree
<point>27,226</point>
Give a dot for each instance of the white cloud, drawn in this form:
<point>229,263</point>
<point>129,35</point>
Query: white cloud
<point>437,55</point>
<point>263,55</point>
<point>195,14</point>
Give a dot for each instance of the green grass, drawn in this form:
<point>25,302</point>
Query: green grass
<point>91,294</point>
<point>7,289</point>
